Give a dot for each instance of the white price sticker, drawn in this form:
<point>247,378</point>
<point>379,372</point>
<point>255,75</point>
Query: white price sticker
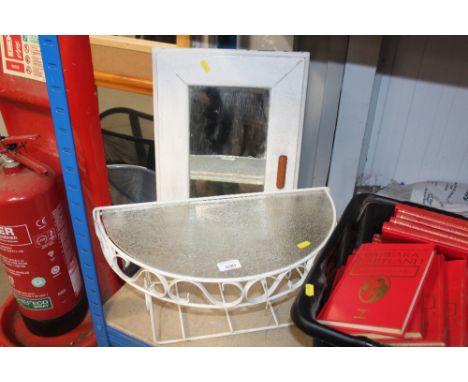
<point>229,265</point>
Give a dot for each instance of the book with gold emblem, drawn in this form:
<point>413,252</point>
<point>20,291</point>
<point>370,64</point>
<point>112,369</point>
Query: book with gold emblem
<point>379,289</point>
<point>434,305</point>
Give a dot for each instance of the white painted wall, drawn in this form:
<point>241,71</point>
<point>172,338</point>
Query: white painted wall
<point>110,98</point>
<point>420,127</point>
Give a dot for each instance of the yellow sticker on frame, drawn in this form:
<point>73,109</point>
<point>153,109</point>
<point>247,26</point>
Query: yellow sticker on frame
<point>205,66</point>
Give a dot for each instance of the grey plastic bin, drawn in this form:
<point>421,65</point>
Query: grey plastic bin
<point>131,184</point>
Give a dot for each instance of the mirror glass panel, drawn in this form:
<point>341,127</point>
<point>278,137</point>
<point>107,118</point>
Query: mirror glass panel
<point>228,138</point>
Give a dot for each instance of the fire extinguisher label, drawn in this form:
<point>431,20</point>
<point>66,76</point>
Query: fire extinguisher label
<point>21,56</point>
<point>45,239</point>
<point>37,248</point>
<point>16,235</point>
<point>35,304</point>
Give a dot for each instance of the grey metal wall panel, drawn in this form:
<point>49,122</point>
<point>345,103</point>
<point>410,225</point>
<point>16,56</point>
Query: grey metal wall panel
<point>420,129</point>
<point>357,89</point>
<point>327,61</point>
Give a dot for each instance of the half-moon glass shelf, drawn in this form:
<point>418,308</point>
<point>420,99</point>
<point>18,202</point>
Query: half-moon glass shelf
<point>235,241</point>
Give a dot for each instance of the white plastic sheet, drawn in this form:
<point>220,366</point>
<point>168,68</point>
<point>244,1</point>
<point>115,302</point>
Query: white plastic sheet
<point>448,196</point>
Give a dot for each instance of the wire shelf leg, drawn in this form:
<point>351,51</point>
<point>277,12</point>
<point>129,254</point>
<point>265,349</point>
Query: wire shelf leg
<point>181,316</point>
<point>228,317</point>
<point>150,308</point>
<point>268,304</point>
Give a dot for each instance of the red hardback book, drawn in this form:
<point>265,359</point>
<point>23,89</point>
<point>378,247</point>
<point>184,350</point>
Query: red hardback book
<point>466,310</point>
<point>431,223</point>
<point>436,218</point>
<point>433,302</point>
<point>456,301</point>
<point>444,245</point>
<point>428,229</point>
<point>378,292</point>
<point>415,326</point>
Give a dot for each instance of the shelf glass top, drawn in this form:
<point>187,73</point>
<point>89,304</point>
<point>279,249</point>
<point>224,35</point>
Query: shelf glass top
<point>223,237</point>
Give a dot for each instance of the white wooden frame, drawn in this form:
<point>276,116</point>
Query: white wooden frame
<point>174,70</point>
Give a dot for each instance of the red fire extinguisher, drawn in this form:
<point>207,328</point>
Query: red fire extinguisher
<point>36,245</point>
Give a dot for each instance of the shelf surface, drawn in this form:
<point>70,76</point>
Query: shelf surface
<point>263,232</point>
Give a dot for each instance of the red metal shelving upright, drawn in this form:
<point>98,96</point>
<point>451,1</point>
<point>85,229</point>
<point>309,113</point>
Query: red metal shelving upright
<point>25,108</point>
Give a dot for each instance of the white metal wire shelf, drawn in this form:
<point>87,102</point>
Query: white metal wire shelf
<point>270,319</point>
<point>274,237</point>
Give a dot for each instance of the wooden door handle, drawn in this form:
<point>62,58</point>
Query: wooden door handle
<point>281,174</point>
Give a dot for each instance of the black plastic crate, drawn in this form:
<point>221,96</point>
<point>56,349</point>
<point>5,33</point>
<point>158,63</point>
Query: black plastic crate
<point>362,218</point>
